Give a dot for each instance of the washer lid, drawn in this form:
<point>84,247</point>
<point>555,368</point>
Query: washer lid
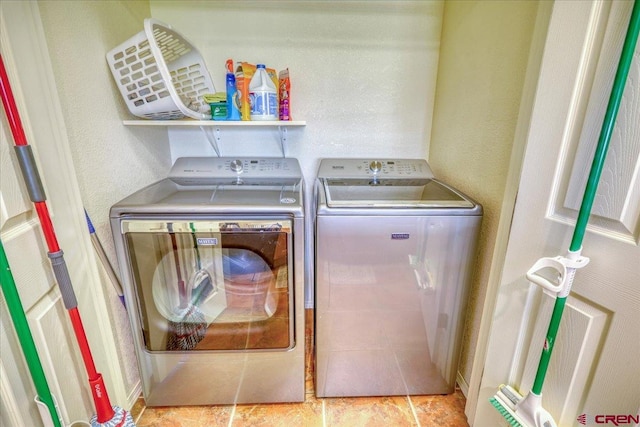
<point>392,193</point>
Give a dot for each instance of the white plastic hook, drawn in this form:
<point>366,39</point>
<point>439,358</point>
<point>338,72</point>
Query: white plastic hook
<point>564,266</point>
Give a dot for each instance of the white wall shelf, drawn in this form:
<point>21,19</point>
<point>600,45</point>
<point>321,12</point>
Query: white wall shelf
<point>217,125</point>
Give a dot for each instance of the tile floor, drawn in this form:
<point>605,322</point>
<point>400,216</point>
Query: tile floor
<point>424,411</point>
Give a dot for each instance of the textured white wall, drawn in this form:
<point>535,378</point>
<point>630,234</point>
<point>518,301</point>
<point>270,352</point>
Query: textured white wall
<point>363,73</point>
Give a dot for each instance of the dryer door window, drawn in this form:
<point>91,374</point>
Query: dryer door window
<point>212,285</point>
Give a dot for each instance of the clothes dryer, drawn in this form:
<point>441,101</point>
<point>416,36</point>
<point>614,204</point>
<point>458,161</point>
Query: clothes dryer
<point>212,262</point>
<point>394,250</point>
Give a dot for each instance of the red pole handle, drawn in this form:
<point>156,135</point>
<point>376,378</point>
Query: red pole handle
<point>104,409</point>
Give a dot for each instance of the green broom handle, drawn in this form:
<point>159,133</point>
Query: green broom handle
<point>592,183</point>
<point>607,127</point>
<point>24,336</point>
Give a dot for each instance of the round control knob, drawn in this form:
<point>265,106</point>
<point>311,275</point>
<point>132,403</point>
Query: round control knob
<point>236,166</point>
<point>375,166</point>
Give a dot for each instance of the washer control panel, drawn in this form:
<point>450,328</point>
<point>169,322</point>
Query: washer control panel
<point>381,168</point>
<point>230,167</point>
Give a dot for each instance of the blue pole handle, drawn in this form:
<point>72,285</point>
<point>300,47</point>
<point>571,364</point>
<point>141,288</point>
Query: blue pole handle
<point>89,223</point>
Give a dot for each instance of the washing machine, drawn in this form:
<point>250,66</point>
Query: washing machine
<point>212,265</point>
<point>394,250</point>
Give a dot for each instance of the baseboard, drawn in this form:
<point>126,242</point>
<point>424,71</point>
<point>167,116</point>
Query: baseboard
<point>134,395</point>
<point>464,387</point>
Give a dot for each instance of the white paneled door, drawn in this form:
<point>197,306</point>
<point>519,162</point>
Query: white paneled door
<point>26,59</point>
<point>595,367</point>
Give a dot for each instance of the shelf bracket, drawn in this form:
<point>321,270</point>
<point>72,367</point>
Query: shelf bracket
<point>283,139</point>
<point>213,141</point>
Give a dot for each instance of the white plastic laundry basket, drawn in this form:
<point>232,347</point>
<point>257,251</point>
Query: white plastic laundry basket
<point>161,75</point>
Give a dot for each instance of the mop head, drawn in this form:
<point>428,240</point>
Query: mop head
<point>187,333</point>
<point>519,411</point>
<point>121,418</point>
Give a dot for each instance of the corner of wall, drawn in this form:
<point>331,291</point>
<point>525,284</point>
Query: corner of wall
<point>483,61</point>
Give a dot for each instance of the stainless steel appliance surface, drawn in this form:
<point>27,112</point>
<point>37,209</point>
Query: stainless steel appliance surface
<point>394,249</point>
<point>212,265</point>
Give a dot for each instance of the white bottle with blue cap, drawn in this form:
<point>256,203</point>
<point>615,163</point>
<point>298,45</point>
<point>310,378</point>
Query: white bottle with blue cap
<point>263,95</point>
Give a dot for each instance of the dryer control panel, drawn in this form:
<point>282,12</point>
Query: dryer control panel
<point>382,168</point>
<point>231,167</point>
